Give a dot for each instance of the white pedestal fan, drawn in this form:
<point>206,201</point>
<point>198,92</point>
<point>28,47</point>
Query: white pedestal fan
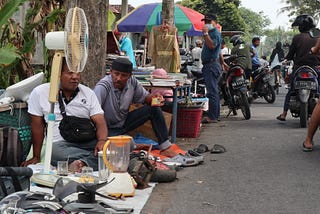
<point>72,43</point>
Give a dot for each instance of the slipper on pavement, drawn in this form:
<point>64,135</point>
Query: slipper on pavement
<point>306,149</point>
<point>202,148</point>
<point>281,118</point>
<point>207,120</point>
<point>217,149</point>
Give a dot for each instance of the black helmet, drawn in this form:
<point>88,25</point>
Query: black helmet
<point>305,22</point>
<point>236,39</point>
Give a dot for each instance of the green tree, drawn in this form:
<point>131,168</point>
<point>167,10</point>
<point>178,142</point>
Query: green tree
<point>230,16</point>
<point>297,7</point>
<point>17,41</point>
<point>256,23</point>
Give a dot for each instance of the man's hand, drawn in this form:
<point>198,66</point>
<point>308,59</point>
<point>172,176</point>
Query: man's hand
<point>33,160</point>
<point>99,147</point>
<point>205,29</point>
<point>225,67</point>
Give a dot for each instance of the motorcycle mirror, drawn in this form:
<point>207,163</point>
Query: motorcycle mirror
<point>314,32</point>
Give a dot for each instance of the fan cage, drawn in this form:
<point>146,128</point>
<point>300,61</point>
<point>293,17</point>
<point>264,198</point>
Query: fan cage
<point>76,39</point>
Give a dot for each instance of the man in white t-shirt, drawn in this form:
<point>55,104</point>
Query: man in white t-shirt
<point>79,101</point>
<point>196,55</point>
<point>224,49</point>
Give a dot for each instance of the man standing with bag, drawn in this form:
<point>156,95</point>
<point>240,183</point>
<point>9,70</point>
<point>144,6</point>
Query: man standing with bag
<point>212,66</point>
<point>79,101</point>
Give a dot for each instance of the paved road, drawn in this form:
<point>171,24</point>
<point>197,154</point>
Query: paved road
<point>264,170</point>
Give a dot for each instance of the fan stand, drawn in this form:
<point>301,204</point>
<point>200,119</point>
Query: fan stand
<point>54,88</point>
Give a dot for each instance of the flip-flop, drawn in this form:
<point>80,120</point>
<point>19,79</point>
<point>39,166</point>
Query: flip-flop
<point>184,160</point>
<point>206,121</point>
<point>202,148</point>
<point>217,149</point>
<point>281,118</point>
<point>306,149</point>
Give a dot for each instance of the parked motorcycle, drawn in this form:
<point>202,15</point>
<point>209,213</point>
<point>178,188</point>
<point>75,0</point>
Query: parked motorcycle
<point>235,88</point>
<point>186,62</point>
<point>305,93</point>
<point>262,85</point>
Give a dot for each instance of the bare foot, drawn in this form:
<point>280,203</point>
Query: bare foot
<point>169,152</point>
<point>76,166</point>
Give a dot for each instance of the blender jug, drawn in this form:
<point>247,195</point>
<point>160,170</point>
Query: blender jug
<point>119,153</point>
<point>118,161</point>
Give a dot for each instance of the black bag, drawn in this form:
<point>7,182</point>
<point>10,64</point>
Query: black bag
<point>75,129</point>
<point>14,179</point>
<point>11,151</point>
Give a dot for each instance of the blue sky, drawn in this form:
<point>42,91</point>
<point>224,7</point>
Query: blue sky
<point>269,7</point>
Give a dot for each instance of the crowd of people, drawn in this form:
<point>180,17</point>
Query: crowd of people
<point>107,105</point>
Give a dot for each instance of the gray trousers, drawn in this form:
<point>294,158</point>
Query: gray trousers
<point>63,150</point>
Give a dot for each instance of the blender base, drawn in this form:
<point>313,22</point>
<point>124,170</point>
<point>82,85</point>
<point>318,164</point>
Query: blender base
<point>122,185</point>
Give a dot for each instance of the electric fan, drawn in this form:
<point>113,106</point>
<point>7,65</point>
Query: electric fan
<point>73,44</point>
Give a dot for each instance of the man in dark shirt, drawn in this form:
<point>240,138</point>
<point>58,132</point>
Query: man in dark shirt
<point>299,52</point>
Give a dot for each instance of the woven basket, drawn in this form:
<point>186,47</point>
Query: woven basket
<point>16,115</point>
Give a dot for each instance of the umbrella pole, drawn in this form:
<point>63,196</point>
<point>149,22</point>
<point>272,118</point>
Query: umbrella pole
<point>145,51</point>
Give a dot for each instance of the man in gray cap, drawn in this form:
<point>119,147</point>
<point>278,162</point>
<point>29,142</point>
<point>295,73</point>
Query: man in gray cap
<point>117,91</point>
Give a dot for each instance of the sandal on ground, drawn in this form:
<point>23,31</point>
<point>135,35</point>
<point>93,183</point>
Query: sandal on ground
<point>202,148</point>
<point>183,160</point>
<point>217,149</point>
<point>306,149</point>
<point>281,118</point>
<point>207,120</point>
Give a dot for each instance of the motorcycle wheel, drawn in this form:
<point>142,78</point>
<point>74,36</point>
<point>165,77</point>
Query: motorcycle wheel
<point>245,109</point>
<point>303,115</point>
<point>270,97</point>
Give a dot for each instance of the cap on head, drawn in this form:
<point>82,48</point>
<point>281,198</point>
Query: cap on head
<point>210,17</point>
<point>122,65</point>
<point>116,33</point>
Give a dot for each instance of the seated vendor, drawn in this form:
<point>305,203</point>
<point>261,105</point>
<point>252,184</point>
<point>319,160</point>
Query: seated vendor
<point>117,91</point>
<point>79,101</point>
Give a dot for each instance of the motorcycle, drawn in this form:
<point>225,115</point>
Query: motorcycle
<point>304,94</point>
<point>235,88</point>
<point>186,62</point>
<point>194,72</point>
<point>262,85</point>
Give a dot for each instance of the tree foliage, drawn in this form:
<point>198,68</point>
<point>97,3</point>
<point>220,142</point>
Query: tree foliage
<point>231,16</point>
<point>297,7</point>
<point>256,23</point>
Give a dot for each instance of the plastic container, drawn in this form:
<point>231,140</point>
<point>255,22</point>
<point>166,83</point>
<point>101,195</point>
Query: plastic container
<point>189,122</point>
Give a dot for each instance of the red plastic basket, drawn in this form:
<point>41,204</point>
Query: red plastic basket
<point>189,122</point>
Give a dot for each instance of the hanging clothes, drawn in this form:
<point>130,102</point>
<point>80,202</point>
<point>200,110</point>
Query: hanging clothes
<point>164,49</point>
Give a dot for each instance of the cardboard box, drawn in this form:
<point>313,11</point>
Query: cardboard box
<point>146,129</point>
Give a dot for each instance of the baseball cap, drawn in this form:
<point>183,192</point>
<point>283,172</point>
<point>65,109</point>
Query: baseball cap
<point>210,17</point>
